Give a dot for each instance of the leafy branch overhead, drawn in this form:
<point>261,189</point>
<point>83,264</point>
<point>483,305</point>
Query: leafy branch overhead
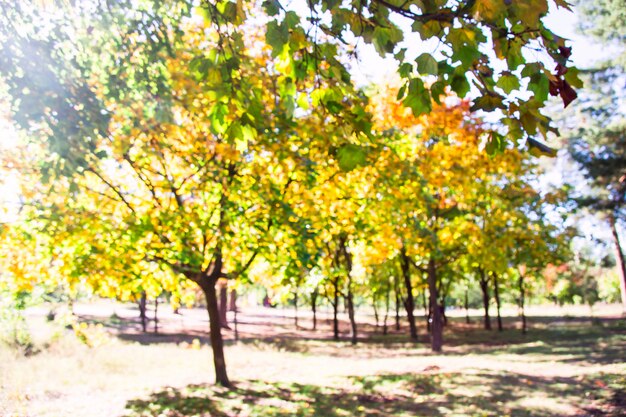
<point>472,36</point>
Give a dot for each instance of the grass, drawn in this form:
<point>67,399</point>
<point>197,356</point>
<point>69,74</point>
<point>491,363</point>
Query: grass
<point>469,393</point>
<point>562,367</point>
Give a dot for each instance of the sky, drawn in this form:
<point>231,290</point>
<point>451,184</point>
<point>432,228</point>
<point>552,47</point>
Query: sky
<point>369,68</point>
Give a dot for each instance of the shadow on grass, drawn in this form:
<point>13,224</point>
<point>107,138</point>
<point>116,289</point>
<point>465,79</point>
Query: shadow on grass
<point>430,394</point>
<point>576,341</point>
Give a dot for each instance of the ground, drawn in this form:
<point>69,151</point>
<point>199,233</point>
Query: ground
<point>567,365</point>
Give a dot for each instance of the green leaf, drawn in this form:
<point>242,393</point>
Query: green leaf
<point>292,20</point>
<point>488,103</point>
<point>333,107</point>
<point>272,7</point>
<point>531,68</point>
<point>460,85</point>
<point>529,122</point>
<point>330,4</point>
<point>540,85</point>
<point>426,64</point>
<point>530,12</point>
<point>405,69</point>
<point>385,39</point>
<point>401,92</point>
<point>277,37</point>
<point>399,56</point>
<point>101,154</point>
<point>249,133</point>
<point>496,143</point>
<point>508,82</point>
<point>437,90</point>
<point>571,76</point>
<point>513,54</point>
<point>515,131</point>
<point>418,98</point>
<point>351,156</point>
<point>429,29</point>
<point>466,55</point>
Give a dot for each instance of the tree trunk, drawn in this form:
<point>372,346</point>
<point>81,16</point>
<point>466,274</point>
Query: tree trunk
<point>467,319</point>
<point>429,316</point>
<point>156,316</point>
<point>314,307</point>
<point>386,310</point>
<point>496,293</point>
<point>442,307</point>
<point>444,291</point>
<point>409,302</point>
<point>436,338</point>
<point>217,344</point>
<point>619,255</point>
<point>335,308</point>
<point>350,302</point>
<point>295,306</point>
<point>350,298</point>
<point>522,296</point>
<point>232,303</point>
<point>223,304</point>
<point>142,312</point>
<point>397,293</point>
<point>426,307</point>
<point>484,286</point>
<point>376,313</point>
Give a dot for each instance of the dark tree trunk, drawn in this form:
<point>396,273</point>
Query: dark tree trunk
<point>335,304</point>
<point>496,293</point>
<point>232,303</point>
<point>223,304</point>
<point>442,307</point>
<point>444,291</point>
<point>217,343</point>
<point>522,300</point>
<point>314,307</point>
<point>386,310</point>
<point>350,298</point>
<point>467,319</point>
<point>429,316</point>
<point>350,301</point>
<point>142,312</point>
<point>396,291</point>
<point>409,302</point>
<point>621,263</point>
<point>484,287</point>
<point>156,316</point>
<point>436,338</point>
<point>426,307</point>
<point>295,306</point>
<point>376,313</point>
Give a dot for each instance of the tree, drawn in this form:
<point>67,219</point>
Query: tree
<point>597,144</point>
<point>187,186</point>
<point>425,170</point>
